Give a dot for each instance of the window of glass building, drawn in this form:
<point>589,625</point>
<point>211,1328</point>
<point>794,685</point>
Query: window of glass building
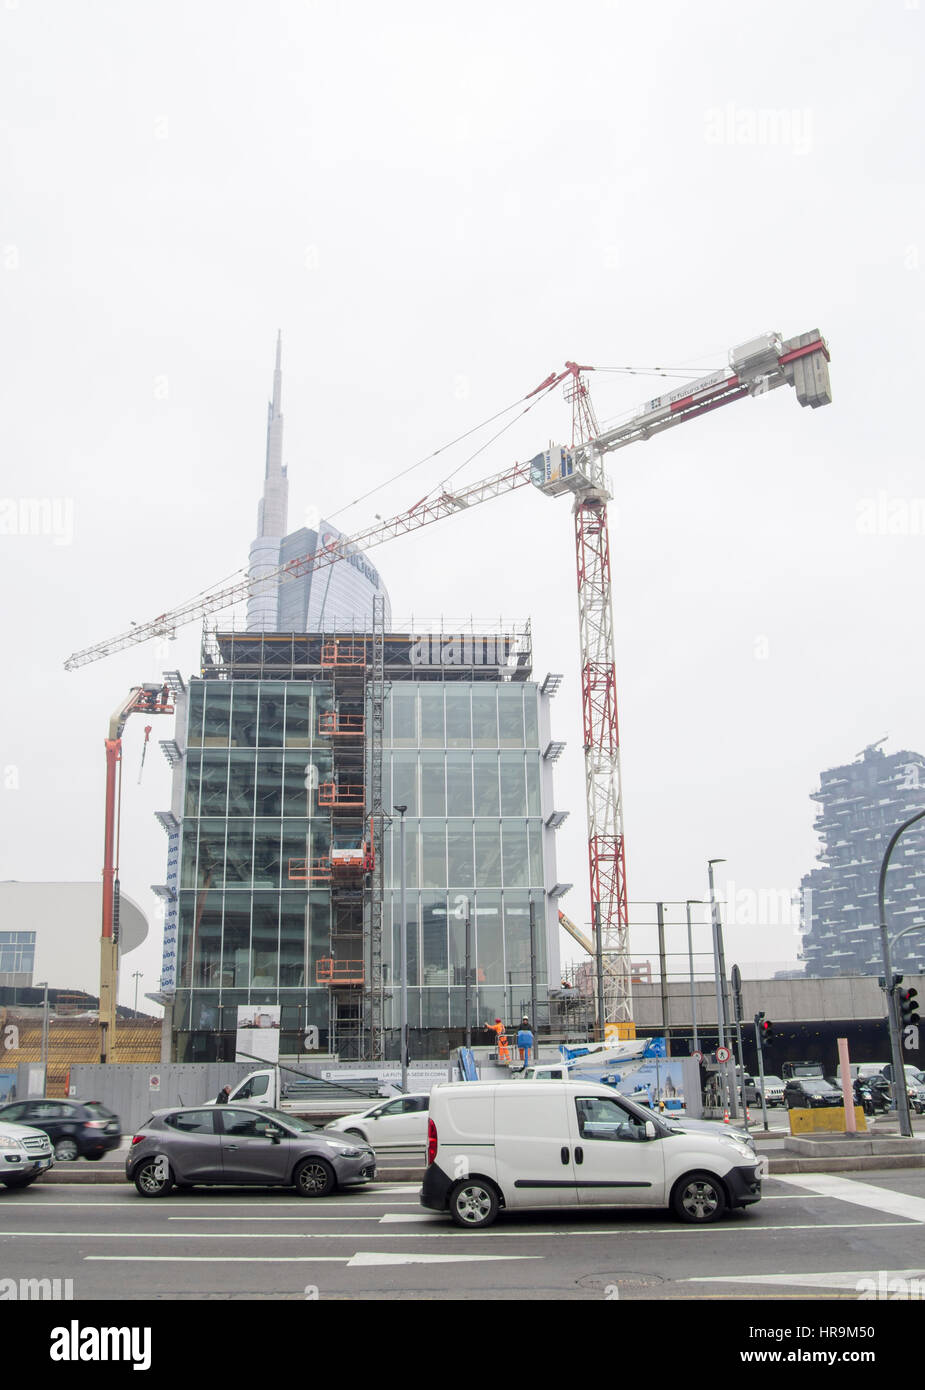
<point>242,727</point>
<point>433,854</point>
<point>267,853</point>
<point>531,717</point>
<point>432,728</point>
<point>489,938</point>
<point>412,840</point>
<point>236,941</point>
<point>195,708</point>
<point>299,715</point>
<point>513,785</point>
<point>458,716</point>
<point>240,774</point>
<point>193,779</point>
<point>433,787</point>
<point>293,943</point>
<point>216,717</point>
<point>269,801</point>
<point>405,782</point>
<point>488,853</point>
<point>17,952</point>
<point>403,700</point>
<point>484,716</point>
<point>264,940</point>
<point>239,853</point>
<point>433,939</point>
<point>511,716</point>
<point>534,805</point>
<point>459,871</point>
<point>412,909</point>
<point>485,769</point>
<point>514,865</point>
<point>272,714</point>
<point>459,784</point>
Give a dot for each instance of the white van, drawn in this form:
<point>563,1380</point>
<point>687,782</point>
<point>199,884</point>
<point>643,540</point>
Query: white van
<point>544,1071</point>
<point>519,1144</point>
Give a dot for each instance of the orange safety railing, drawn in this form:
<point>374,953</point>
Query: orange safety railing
<point>310,870</point>
<point>350,796</point>
<point>341,725</point>
<point>339,972</point>
<point>343,652</point>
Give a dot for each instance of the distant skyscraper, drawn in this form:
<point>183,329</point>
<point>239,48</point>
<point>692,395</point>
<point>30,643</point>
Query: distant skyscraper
<point>861,804</point>
<point>340,595</point>
<point>272,513</point>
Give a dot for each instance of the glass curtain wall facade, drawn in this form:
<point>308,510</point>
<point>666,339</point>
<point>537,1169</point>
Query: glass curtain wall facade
<point>463,756</point>
<point>247,932</point>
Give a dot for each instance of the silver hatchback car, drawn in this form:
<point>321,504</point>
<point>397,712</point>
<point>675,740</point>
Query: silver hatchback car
<point>241,1147</point>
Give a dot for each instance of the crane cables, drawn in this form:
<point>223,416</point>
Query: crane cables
<point>443,448</point>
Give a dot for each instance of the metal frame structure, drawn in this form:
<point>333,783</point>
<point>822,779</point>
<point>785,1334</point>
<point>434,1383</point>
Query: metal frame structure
<point>375,722</point>
<point>761,365</point>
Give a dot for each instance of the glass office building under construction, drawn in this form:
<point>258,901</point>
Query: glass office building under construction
<point>290,757</point>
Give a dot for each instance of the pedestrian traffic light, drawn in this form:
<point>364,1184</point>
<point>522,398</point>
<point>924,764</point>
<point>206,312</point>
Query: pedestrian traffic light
<point>765,1031</point>
<point>908,1007</point>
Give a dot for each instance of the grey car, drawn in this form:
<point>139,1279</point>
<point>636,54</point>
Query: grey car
<point>715,1127</point>
<point>243,1147</point>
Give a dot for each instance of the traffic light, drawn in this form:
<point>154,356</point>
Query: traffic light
<point>764,1030</point>
<point>908,1007</point>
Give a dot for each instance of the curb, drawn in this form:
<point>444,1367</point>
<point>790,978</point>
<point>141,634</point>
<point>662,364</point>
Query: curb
<point>863,1163</point>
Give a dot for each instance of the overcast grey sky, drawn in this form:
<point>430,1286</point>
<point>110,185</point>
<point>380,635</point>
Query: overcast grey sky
<point>438,205</point>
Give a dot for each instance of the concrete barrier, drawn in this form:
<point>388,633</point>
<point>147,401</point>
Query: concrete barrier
<point>825,1120</point>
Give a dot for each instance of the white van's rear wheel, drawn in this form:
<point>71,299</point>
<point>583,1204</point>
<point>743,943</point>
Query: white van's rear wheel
<point>473,1203</point>
<point>698,1197</point>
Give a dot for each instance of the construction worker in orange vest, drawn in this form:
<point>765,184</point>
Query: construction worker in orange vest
<point>504,1052</point>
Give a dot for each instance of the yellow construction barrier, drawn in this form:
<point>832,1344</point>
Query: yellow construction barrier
<point>619,1032</point>
<point>825,1120</point>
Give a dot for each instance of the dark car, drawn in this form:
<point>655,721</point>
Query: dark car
<point>811,1093</point>
<point>243,1147</point>
<point>77,1129</point>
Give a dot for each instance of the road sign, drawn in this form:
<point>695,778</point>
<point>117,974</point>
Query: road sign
<point>697,1056</point>
<point>723,1054</point>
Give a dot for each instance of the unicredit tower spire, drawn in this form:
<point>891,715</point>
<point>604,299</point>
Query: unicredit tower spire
<point>272,512</point>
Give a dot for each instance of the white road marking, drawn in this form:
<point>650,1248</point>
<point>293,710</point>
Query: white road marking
<point>420,1217</point>
<point>383,1258</point>
<point>282,1218</point>
<point>837,1279</point>
<point>861,1194</point>
<point>221,1259</point>
<point>169,1204</point>
<point>549,1233</point>
<point>365,1258</point>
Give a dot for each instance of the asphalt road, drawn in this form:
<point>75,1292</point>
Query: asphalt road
<point>812,1237</point>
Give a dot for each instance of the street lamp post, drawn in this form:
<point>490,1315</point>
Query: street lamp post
<point>899,1072</point>
<point>719,967</point>
<point>719,964</point>
<point>43,984</point>
<point>690,960</point>
<point>468,973</point>
<point>404,954</point>
<point>136,977</point>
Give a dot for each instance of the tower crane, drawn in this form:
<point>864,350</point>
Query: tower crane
<point>141,699</point>
<point>754,368</point>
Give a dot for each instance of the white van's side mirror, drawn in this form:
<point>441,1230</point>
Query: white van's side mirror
<point>650,1130</point>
